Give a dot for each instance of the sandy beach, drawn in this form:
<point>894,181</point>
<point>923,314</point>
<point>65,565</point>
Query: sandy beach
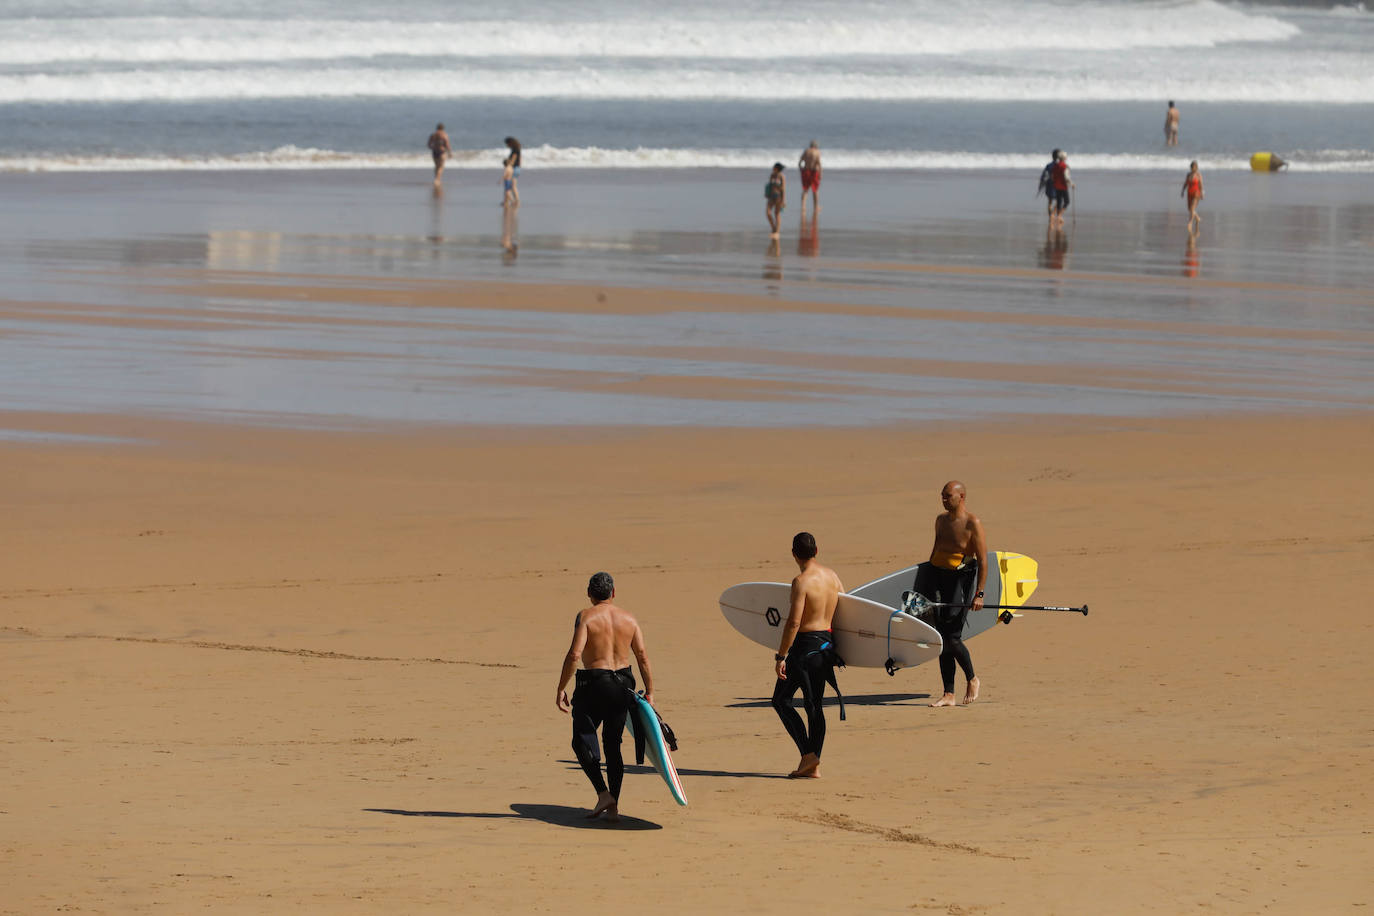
<point>297,527</point>
<point>253,670</point>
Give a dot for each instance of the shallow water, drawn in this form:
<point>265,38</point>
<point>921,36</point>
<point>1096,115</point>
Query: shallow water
<point>915,296</point>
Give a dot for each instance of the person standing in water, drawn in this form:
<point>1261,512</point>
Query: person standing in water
<point>954,576</point>
<point>1192,187</point>
<point>1171,125</point>
<point>1062,181</point>
<point>604,636</point>
<point>775,199</point>
<point>508,197</point>
<point>1046,185</point>
<point>440,150</point>
<point>810,165</point>
<point>806,654</point>
<point>512,187</point>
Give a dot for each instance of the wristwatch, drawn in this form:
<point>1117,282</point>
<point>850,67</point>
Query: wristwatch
<point>779,658</point>
<point>979,595</point>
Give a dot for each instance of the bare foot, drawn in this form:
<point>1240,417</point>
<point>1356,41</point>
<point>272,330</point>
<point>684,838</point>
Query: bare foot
<point>605,804</point>
<point>945,700</point>
<point>809,768</point>
<point>971,693</point>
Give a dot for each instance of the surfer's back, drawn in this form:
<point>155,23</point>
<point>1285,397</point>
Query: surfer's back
<point>610,632</point>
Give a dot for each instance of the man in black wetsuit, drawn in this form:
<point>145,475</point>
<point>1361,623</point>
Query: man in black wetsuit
<point>806,654</point>
<point>955,575</point>
<point>603,639</point>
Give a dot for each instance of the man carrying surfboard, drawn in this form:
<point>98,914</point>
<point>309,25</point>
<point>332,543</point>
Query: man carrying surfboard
<point>955,575</point>
<point>603,638</point>
<point>806,654</point>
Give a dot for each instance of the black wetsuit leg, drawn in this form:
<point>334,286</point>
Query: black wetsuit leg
<point>600,700</point>
<point>806,671</point>
<point>952,586</point>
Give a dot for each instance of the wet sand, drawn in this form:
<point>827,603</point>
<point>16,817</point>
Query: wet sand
<point>256,669</point>
<point>299,517</point>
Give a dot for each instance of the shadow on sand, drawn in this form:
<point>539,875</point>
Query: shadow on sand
<point>682,771</point>
<point>870,699</point>
<point>558,815</point>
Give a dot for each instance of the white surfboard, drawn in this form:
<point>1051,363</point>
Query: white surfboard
<point>867,634</point>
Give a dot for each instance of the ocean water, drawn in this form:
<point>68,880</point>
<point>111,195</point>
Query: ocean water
<point>99,85</point>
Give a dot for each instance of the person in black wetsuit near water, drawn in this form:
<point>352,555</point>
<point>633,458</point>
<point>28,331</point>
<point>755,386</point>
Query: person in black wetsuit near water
<point>806,654</point>
<point>603,639</point>
<point>957,570</point>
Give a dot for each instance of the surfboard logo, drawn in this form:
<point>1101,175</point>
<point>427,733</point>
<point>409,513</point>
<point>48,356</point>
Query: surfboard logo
<point>772,616</point>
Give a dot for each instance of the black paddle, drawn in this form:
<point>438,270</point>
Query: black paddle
<point>914,603</point>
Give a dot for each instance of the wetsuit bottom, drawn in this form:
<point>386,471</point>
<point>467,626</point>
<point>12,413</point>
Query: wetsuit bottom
<point>808,664</point>
<point>600,700</point>
<point>952,586</point>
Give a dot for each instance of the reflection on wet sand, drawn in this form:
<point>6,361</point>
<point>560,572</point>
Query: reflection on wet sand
<point>809,237</point>
<point>1191,262</point>
<point>1056,250</point>
<point>510,233</point>
<point>772,263</point>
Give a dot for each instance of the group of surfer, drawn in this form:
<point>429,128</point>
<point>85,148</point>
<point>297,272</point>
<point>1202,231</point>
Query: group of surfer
<point>605,636</point>
<point>440,149</point>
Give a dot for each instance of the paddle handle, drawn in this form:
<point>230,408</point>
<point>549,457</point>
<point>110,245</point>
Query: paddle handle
<point>1016,607</point>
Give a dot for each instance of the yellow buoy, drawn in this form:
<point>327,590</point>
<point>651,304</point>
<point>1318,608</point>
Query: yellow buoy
<point>1266,162</point>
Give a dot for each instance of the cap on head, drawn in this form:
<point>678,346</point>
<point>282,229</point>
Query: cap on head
<point>600,587</point>
<point>803,545</point>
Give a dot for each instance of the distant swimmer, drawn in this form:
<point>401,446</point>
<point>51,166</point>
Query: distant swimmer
<point>1171,125</point>
<point>1046,185</point>
<point>955,575</point>
<point>516,157</point>
<point>775,198</point>
<point>1192,187</point>
<point>806,654</point>
<point>439,148</point>
<point>810,165</point>
<point>603,639</point>
<point>1060,182</point>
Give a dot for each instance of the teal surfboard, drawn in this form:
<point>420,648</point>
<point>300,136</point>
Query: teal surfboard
<point>643,720</point>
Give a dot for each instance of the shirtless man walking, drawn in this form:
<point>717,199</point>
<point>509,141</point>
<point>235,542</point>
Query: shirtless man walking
<point>810,165</point>
<point>440,150</point>
<point>806,654</point>
<point>1171,125</point>
<point>955,575</point>
<point>603,638</point>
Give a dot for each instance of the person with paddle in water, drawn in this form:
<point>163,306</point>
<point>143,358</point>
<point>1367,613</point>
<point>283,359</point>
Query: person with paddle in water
<point>806,654</point>
<point>603,639</point>
<point>955,575</point>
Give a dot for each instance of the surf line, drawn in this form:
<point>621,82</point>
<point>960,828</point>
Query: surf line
<point>843,822</point>
<point>232,647</point>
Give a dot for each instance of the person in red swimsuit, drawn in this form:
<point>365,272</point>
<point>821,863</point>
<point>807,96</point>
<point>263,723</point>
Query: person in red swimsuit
<point>810,165</point>
<point>1192,187</point>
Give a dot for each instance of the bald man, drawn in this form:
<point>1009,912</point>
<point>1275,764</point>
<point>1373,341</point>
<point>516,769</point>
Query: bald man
<point>955,575</point>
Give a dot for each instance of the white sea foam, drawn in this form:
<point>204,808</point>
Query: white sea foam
<point>290,157</point>
<point>922,27</point>
<point>1316,81</point>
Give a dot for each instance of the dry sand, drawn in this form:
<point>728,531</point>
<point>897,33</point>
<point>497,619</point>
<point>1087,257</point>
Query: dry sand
<point>260,670</point>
